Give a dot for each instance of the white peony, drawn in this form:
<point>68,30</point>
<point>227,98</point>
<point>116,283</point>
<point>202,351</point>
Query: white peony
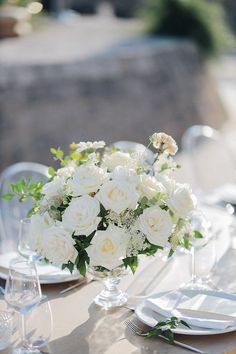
<point>87,179</point>
<point>38,224</point>
<point>90,145</point>
<point>58,245</point>
<point>148,186</point>
<point>156,224</point>
<point>118,196</point>
<point>118,158</point>
<point>108,248</point>
<point>81,216</point>
<point>54,188</point>
<point>181,200</point>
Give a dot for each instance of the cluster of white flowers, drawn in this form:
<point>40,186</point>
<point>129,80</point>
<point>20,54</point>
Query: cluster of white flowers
<point>106,210</point>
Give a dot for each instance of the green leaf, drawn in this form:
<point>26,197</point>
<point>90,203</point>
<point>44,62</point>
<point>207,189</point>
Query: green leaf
<point>150,249</point>
<point>131,262</point>
<point>197,234</point>
<point>186,243</point>
<point>51,171</point>
<point>165,327</point>
<point>171,252</point>
<point>185,323</point>
<point>7,196</point>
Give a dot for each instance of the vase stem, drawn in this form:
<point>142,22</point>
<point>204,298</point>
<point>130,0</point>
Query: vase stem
<point>111,296</point>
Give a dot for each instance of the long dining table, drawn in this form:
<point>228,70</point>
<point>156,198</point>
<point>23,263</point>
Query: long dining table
<point>80,326</point>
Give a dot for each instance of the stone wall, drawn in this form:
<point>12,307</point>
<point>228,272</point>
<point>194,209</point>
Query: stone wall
<point>125,93</point>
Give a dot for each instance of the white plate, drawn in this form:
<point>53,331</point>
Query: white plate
<point>48,274</point>
<point>61,276</point>
<point>150,318</point>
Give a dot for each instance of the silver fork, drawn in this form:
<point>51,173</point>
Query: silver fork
<point>137,330</point>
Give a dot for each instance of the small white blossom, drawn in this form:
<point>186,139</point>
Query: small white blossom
<point>136,244</point>
<point>90,145</point>
<point>164,165</point>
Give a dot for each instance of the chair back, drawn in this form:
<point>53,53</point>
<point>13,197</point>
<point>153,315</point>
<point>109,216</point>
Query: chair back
<point>12,211</point>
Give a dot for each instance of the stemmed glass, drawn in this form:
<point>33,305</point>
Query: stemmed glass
<point>39,325</point>
<point>23,293</point>
<point>25,241</point>
<point>203,254</point>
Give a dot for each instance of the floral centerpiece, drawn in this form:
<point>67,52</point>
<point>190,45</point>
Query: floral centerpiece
<point>104,207</point>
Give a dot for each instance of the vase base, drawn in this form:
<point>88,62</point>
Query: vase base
<point>108,302</point>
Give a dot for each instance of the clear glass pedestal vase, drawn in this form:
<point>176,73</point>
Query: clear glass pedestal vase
<point>111,296</point>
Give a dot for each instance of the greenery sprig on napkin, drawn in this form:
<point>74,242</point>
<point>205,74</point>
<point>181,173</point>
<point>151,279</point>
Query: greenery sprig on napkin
<point>164,328</point>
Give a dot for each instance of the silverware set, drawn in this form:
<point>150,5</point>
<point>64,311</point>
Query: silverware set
<point>140,332</point>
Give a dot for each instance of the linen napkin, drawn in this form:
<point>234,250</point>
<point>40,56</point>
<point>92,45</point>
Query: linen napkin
<point>205,311</point>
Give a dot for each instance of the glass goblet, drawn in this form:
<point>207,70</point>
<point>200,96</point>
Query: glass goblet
<point>203,253</point>
<point>23,294</point>
<point>25,247</point>
<point>111,296</point>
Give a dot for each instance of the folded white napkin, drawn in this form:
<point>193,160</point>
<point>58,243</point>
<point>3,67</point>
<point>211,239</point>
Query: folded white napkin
<point>206,311</point>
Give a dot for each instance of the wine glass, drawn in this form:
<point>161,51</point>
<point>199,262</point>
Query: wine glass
<point>23,294</point>
<point>39,325</point>
<point>25,241</point>
<point>203,254</point>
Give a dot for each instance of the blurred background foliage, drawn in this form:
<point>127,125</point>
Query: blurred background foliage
<point>202,21</point>
<point>209,23</point>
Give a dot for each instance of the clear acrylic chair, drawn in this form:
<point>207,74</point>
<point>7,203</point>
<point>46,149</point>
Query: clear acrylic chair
<point>212,165</point>
<point>132,146</point>
<point>12,211</point>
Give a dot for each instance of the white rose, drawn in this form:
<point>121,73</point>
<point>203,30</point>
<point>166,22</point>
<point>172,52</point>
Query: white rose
<point>90,145</point>
<point>111,161</point>
<point>87,179</point>
<point>108,248</point>
<point>38,224</point>
<point>58,245</point>
<point>148,186</point>
<point>125,174</point>
<point>118,196</point>
<point>181,200</point>
<point>81,216</point>
<point>156,224</point>
<point>55,188</point>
